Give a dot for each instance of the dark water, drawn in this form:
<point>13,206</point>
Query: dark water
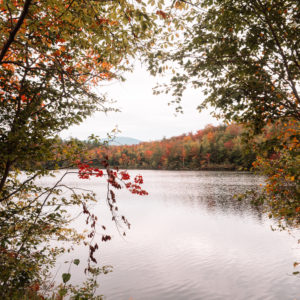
<point>191,240</point>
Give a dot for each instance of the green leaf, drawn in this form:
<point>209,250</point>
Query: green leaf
<point>62,292</point>
<point>66,277</point>
<point>76,261</point>
<point>57,208</point>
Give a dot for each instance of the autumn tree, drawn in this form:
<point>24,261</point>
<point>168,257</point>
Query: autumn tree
<point>244,56</point>
<point>52,55</point>
<point>214,147</point>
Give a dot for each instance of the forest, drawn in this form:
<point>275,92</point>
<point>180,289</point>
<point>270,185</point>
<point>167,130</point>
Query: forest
<point>212,148</point>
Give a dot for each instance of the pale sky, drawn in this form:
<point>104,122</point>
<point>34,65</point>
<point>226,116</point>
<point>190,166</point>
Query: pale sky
<point>143,116</point>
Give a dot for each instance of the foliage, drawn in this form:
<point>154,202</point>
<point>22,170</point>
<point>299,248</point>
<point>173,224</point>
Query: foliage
<point>49,68</point>
<point>281,167</point>
<point>34,218</point>
<point>52,56</point>
<point>245,56</point>
<point>217,147</point>
<point>86,290</point>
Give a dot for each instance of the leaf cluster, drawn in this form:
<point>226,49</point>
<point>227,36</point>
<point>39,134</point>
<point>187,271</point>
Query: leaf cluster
<point>245,57</point>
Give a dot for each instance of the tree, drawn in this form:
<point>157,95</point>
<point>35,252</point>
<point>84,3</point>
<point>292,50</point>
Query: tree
<point>188,151</point>
<point>245,56</point>
<point>52,55</point>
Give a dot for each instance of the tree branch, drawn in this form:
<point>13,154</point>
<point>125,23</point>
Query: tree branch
<point>5,174</point>
<point>13,33</point>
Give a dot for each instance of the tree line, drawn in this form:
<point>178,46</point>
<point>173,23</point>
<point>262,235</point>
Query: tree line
<point>212,148</point>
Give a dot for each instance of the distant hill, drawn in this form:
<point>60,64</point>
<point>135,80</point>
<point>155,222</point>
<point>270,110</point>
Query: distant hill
<point>123,140</point>
<point>212,148</point>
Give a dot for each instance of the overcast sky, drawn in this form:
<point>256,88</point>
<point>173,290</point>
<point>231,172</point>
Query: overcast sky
<point>143,115</point>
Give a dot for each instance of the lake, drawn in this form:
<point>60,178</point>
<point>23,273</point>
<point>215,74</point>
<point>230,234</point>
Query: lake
<point>191,240</point>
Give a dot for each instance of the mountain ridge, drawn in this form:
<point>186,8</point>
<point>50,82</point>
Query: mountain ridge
<point>124,141</point>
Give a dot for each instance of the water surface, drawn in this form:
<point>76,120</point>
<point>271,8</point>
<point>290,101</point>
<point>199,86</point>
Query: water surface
<point>191,240</point>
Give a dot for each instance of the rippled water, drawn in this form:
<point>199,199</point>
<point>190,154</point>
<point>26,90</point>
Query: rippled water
<point>191,240</point>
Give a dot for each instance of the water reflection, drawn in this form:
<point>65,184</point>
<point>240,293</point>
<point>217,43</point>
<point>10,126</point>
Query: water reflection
<point>212,191</point>
<point>191,240</point>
